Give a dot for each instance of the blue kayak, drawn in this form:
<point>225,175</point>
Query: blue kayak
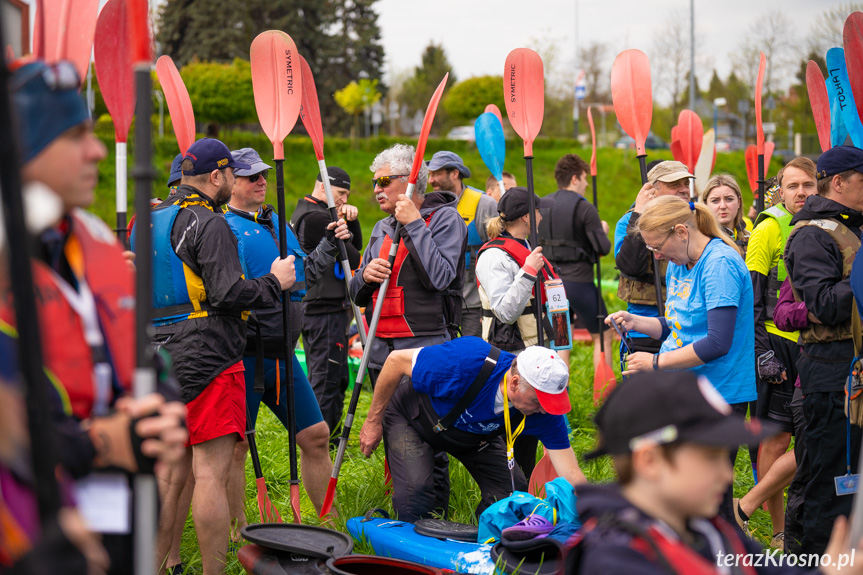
<point>398,539</point>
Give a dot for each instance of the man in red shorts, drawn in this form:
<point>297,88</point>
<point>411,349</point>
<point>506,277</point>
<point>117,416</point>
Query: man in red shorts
<point>201,300</point>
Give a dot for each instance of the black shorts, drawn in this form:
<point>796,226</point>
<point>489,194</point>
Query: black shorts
<point>774,399</point>
<point>582,304</point>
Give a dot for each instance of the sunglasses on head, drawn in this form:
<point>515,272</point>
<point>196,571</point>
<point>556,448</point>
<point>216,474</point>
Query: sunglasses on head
<point>385,181</point>
<point>58,76</point>
<point>254,178</point>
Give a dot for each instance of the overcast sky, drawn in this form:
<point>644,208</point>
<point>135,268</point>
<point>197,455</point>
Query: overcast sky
<point>478,34</point>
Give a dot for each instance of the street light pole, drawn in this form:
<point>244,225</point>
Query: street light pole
<point>692,55</point>
<point>717,102</point>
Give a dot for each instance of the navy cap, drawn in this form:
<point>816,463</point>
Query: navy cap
<point>176,170</point>
<point>448,160</point>
<point>208,154</point>
<point>839,159</point>
<point>47,102</point>
<point>338,177</point>
<point>659,407</point>
<point>251,157</point>
<point>513,204</point>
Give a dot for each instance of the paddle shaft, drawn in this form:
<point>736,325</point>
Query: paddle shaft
<point>599,317</point>
<point>29,352</point>
<point>289,348</point>
<point>122,200</point>
<point>537,284</point>
<point>343,252</point>
<point>502,187</point>
<point>145,375</point>
<point>364,364</point>
<point>657,281</point>
<point>759,202</point>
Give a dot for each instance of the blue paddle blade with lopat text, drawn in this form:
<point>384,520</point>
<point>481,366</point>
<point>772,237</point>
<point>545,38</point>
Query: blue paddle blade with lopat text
<point>839,90</point>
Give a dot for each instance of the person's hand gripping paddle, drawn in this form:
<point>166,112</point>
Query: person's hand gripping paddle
<point>376,314</point>
<point>632,97</point>
<point>112,53</point>
<point>524,95</point>
<point>491,145</point>
<point>604,379</point>
<point>310,114</point>
<point>820,103</point>
<point>278,89</point>
<point>179,103</point>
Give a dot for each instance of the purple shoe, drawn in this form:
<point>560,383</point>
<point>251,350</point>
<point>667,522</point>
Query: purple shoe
<point>531,527</point>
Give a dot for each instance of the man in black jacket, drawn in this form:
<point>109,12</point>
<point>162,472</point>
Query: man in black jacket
<point>327,310</point>
<point>818,257</point>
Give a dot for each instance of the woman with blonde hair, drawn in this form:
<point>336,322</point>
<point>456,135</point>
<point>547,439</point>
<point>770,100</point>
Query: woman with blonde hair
<point>722,195</point>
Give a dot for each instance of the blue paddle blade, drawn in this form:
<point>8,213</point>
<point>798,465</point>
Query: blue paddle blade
<point>490,143</point>
<point>839,87</point>
<point>838,131</point>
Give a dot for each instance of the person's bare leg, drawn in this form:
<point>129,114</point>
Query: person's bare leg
<point>773,484</point>
<point>211,464</point>
<point>608,336</point>
<point>316,465</point>
<point>171,481</point>
<point>183,505</point>
<point>771,450</point>
<point>237,490</point>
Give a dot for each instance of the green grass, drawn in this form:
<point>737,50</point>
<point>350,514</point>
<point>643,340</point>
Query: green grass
<point>361,488</point>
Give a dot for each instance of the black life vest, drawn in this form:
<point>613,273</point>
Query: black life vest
<point>557,234</point>
<point>332,285</point>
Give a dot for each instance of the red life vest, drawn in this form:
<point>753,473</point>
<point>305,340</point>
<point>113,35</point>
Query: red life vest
<point>519,252</point>
<point>409,308</point>
<point>66,352</point>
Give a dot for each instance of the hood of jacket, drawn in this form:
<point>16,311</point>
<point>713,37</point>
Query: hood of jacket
<point>820,207</point>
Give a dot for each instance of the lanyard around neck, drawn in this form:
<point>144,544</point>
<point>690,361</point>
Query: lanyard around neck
<point>510,435</point>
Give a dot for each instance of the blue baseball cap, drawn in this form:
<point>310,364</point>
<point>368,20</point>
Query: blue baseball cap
<point>208,154</point>
<point>839,159</point>
<point>47,102</point>
<point>251,157</point>
<point>448,160</point>
<point>176,170</point>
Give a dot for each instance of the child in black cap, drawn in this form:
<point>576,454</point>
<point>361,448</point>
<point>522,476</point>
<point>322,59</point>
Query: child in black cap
<point>669,434</point>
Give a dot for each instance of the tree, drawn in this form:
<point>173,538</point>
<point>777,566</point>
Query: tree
<point>826,30</point>
<point>340,39</point>
<point>769,34</point>
<point>594,60</point>
<point>356,97</point>
<point>418,89</point>
<point>468,99</point>
<point>670,66</point>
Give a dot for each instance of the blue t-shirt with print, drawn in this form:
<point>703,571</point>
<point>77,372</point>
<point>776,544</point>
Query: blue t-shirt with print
<point>445,372</point>
<point>718,279</point>
<point>633,308</point>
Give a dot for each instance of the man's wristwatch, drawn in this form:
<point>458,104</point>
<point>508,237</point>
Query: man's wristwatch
<point>655,362</point>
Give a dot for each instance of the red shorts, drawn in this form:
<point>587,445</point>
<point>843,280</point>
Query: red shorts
<point>220,409</point>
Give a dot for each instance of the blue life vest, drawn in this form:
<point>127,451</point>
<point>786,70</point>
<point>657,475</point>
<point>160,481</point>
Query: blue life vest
<point>258,246</point>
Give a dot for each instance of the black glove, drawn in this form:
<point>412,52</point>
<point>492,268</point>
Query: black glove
<point>769,368</point>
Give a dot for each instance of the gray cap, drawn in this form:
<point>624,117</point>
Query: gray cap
<point>251,157</point>
<point>450,161</point>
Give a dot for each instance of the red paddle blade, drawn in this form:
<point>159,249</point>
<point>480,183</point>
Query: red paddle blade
<point>819,101</point>
<point>69,26</point>
<point>496,111</point>
<point>179,104</point>
<point>113,57</point>
<point>675,145</point>
<point>266,510</point>
<point>632,96</point>
<point>604,380</point>
<point>769,147</point>
<point>752,167</point>
<point>329,498</point>
<point>592,143</point>
<point>691,132</point>
<point>426,128</point>
<point>310,110</point>
<point>295,503</point>
<point>852,36</point>
<point>759,84</point>
<point>139,26</point>
<point>524,94</point>
<point>278,86</point>
<point>542,474</point>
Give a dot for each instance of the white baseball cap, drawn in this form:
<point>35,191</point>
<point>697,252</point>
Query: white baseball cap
<point>548,374</point>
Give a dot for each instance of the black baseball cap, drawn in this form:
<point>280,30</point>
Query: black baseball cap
<point>338,177</point>
<point>670,406</point>
<point>839,159</point>
<point>514,203</point>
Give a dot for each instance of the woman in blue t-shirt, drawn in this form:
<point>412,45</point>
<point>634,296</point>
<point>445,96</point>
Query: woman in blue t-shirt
<point>708,325</point>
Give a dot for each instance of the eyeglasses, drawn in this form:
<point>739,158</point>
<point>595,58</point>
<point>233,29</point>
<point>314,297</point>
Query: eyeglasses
<point>662,245</point>
<point>385,181</point>
<point>254,178</point>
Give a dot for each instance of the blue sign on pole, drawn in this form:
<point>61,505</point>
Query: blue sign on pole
<point>580,92</point>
